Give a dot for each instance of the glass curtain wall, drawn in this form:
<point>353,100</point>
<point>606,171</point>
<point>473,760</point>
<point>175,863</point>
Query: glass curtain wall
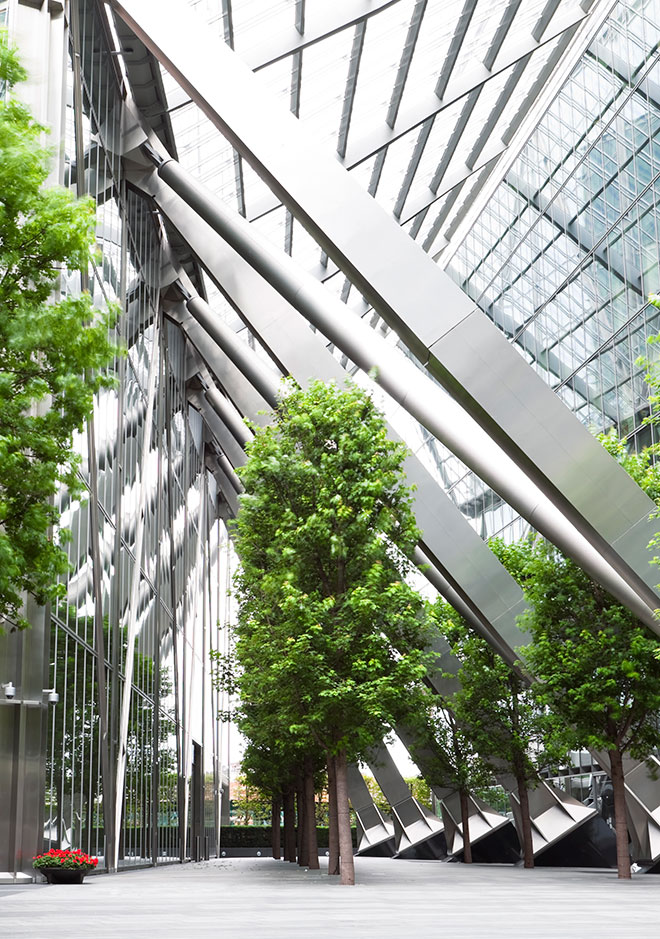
<point>565,252</point>
<point>131,634</point>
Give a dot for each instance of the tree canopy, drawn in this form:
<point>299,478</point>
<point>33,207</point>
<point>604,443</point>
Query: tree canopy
<point>597,676</point>
<point>53,350</point>
<point>596,668</point>
<point>323,535</point>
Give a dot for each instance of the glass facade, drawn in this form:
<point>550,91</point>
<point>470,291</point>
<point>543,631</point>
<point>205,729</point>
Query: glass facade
<point>564,254</point>
<point>126,648</point>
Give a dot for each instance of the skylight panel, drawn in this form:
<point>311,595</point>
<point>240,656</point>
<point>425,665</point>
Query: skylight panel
<point>324,70</point>
<point>394,168</point>
<point>277,78</point>
<point>257,21</point>
<point>385,35</point>
<point>481,30</point>
<point>432,44</point>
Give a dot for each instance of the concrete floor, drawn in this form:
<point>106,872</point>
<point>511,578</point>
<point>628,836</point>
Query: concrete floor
<point>250,897</point>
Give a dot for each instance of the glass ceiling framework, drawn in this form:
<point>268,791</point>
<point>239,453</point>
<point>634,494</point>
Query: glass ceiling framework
<point>418,98</point>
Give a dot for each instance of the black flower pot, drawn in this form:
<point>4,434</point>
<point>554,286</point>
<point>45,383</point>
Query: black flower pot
<point>63,875</point>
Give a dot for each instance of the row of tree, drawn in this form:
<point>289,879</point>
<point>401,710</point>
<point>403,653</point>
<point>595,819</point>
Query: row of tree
<point>331,644</point>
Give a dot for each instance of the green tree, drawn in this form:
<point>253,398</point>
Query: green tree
<point>495,714</point>
<point>52,353</point>
<point>596,670</point>
<point>453,761</point>
<point>595,665</point>
<point>275,761</point>
<point>330,634</point>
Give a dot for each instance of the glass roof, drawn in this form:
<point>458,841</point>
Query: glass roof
<point>416,96</point>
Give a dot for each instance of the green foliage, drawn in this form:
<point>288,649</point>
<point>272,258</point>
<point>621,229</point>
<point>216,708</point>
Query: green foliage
<point>418,786</point>
<point>330,636</point>
<point>251,806</point>
<point>455,762</point>
<point>639,466</point>
<point>595,662</point>
<point>598,678</point>
<point>497,724</point>
<point>51,353</point>
<point>420,790</point>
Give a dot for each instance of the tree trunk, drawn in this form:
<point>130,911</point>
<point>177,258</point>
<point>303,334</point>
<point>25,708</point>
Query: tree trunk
<point>525,822</point>
<point>303,852</point>
<point>344,821</point>
<point>310,822</point>
<point>465,821</point>
<point>333,831</point>
<point>620,822</point>
<point>289,825</point>
<point>275,826</point>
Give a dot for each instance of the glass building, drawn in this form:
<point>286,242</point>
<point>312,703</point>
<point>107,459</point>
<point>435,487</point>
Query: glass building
<point>349,154</point>
<point>564,252</point>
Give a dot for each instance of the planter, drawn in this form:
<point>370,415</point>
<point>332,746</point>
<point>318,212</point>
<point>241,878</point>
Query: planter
<point>63,875</point>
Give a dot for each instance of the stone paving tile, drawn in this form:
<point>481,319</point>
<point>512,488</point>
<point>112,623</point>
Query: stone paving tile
<point>250,897</point>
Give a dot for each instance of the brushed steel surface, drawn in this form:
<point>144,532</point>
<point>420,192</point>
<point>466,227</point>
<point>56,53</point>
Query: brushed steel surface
<point>241,392</point>
<point>373,827</point>
<point>413,823</point>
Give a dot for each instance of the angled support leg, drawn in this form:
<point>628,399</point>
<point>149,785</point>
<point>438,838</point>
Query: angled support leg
<point>418,833</point>
<point>565,832</point>
<point>375,832</point>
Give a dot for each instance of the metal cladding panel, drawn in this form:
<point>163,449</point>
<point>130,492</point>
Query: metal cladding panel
<point>410,292</point>
<point>225,438</point>
<point>549,435</point>
<point>8,757</point>
<point>23,744</point>
<point>394,787</point>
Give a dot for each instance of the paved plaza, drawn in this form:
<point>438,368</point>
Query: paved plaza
<point>250,897</point>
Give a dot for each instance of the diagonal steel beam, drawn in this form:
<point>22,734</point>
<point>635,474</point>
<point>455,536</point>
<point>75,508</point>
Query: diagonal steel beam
<point>539,440</point>
<point>476,584</point>
<point>399,377</point>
